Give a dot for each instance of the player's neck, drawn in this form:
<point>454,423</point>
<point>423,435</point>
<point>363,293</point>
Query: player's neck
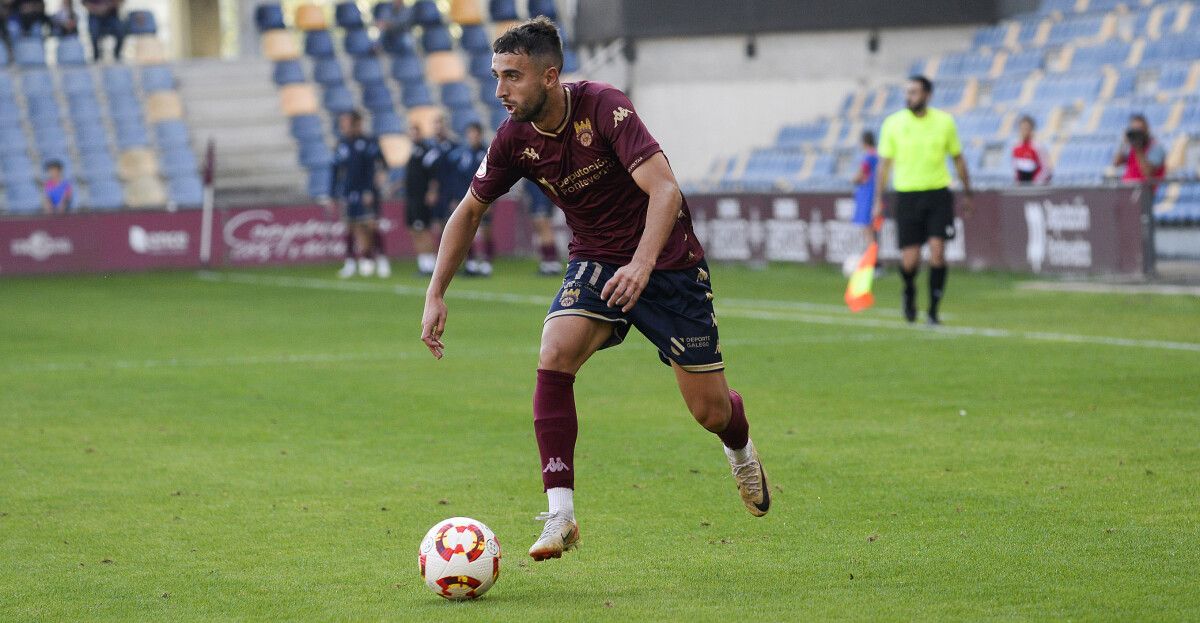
<point>554,113</point>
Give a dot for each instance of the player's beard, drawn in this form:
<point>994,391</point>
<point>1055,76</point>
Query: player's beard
<point>532,112</point>
<point>918,108</point>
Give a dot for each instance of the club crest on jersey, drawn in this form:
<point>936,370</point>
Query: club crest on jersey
<point>620,114</point>
<point>583,132</point>
<point>531,153</point>
<point>481,172</point>
<point>569,297</point>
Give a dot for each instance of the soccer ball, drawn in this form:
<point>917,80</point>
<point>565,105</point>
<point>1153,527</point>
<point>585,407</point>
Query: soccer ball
<point>459,558</point>
<point>850,264</point>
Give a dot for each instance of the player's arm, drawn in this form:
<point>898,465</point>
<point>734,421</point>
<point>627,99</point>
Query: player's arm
<point>456,241</point>
<point>881,182</point>
<point>655,178</point>
<point>964,176</point>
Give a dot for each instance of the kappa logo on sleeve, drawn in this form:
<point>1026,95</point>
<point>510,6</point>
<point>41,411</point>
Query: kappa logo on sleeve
<point>620,114</point>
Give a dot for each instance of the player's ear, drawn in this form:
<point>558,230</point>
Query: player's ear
<point>550,75</point>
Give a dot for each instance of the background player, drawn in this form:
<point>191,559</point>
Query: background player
<point>540,213</point>
<point>418,199</point>
<point>634,261</point>
<point>864,187</point>
<point>465,161</point>
<point>358,171</point>
<point>917,141</point>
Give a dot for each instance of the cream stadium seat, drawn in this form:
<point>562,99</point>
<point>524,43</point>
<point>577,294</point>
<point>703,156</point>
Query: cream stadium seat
<point>425,118</point>
<point>445,67</point>
<point>396,149</point>
<point>137,162</point>
<point>145,192</point>
<point>466,12</point>
<point>311,17</point>
<point>163,105</point>
<point>148,50</point>
<point>280,45</point>
<point>298,99</point>
<point>500,28</point>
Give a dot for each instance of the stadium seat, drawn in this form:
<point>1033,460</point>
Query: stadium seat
<point>23,198</point>
<point>466,12</point>
<point>415,95</point>
<point>503,10</point>
<point>17,167</point>
<point>337,99</point>
<point>408,70</point>
<point>140,23</point>
<point>436,39</point>
<point>347,15</point>
<point>310,17</point>
<point>37,82</point>
<point>291,72</point>
<point>319,180</point>
<point>186,190</point>
<point>131,135</point>
<point>457,95</point>
<point>171,134</point>
<point>298,99</point>
<point>159,78</point>
<point>388,123</point>
<point>70,51</point>
<point>425,13</point>
<point>425,118</point>
<point>125,108</point>
<point>480,66</point>
<point>98,164</point>
<point>543,7</point>
<point>149,49</point>
<point>103,195</point>
<point>77,80</point>
<point>268,16</point>
<point>306,127</point>
<point>1093,57</point>
<point>377,98</point>
<point>4,58</point>
<point>460,118</point>
<point>398,43</point>
<point>396,147</point>
<point>29,52</point>
<point>315,153</point>
<point>145,192</point>
<point>163,105</point>
<point>368,70</point>
<point>178,162</point>
<point>318,44</point>
<point>136,162</point>
<point>570,61</point>
<point>91,138</point>
<point>445,67</point>
<point>280,45</point>
<point>117,78</point>
<point>475,40</point>
<point>42,107</point>
<point>384,13</point>
<point>327,71</point>
<point>358,42</point>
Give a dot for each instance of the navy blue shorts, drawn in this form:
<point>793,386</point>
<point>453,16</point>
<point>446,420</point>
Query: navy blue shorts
<point>675,311</point>
<point>357,211</point>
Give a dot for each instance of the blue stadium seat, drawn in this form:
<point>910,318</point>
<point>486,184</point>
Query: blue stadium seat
<point>416,94</point>
<point>23,198</point>
<point>98,164</point>
<point>4,58</point>
<point>502,10</point>
<point>377,98</point>
<point>383,12</point>
<point>398,43</point>
<point>171,134</point>
<point>426,13</point>
<point>1056,6</point>
<point>6,83</point>
<point>319,179</point>
<point>796,136</point>
<point>1028,29</point>
<point>408,70</point>
<point>131,134</point>
<point>480,66</point>
<point>1024,62</point>
<point>476,40</point>
<point>347,15</point>
<point>70,51</point>
<point>497,115</point>
<point>487,90</point>
<point>186,190</point>
<point>77,80</point>
<point>12,142</point>
<point>964,64</point>
<point>368,70</point>
<point>307,127</point>
<point>328,71</point>
<point>1175,47</point>
<point>104,195</point>
<point>29,52</point>
<point>1069,88</point>
<point>460,118</point>
<point>91,138</point>
<point>1093,57</point>
<point>117,79</point>
<point>125,109</point>
<point>37,82</point>
<point>1189,122</point>
<point>337,99</point>
<point>436,39</point>
<point>990,36</point>
<point>543,7</point>
<point>43,107</point>
<point>141,23</point>
<point>315,153</point>
<point>358,42</point>
<point>1075,27</point>
<point>157,78</point>
<point>268,16</point>
<point>388,123</point>
<point>570,61</point>
<point>288,72</point>
<point>318,44</point>
<point>457,95</point>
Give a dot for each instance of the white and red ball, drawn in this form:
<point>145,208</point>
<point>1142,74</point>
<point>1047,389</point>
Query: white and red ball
<point>459,558</point>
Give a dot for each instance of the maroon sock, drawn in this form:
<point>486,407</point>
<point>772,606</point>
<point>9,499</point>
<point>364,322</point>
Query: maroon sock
<point>350,252</point>
<point>377,237</point>
<point>549,252</point>
<point>489,248</point>
<point>477,252</point>
<point>737,434</point>
<point>556,427</point>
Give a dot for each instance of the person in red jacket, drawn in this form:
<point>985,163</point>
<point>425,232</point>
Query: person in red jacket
<point>1030,164</point>
<point>1144,158</point>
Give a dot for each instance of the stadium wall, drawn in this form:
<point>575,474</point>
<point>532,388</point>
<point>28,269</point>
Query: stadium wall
<point>704,97</point>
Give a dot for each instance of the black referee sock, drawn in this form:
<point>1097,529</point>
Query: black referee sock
<point>937,285</point>
<point>910,294</point>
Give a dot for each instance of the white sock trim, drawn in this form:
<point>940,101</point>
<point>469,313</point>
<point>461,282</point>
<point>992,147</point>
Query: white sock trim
<point>742,456</point>
<point>561,499</point>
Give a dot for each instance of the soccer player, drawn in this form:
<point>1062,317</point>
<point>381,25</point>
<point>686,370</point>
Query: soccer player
<point>917,141</point>
<point>635,261</point>
<point>465,159</point>
<point>864,187</point>
<point>358,172</point>
<point>418,202</point>
<point>1029,158</point>
<point>540,208</point>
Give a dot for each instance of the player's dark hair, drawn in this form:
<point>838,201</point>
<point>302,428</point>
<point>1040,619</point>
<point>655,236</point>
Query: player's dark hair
<point>54,164</point>
<point>1137,116</point>
<point>537,38</point>
<point>926,85</point>
<point>868,138</point>
<point>1027,119</point>
<point>354,115</point>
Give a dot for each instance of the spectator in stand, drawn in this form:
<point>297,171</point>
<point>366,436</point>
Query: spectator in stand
<point>104,20</point>
<point>1029,158</point>
<point>31,13</point>
<point>864,187</point>
<point>64,22</point>
<point>56,198</point>
<point>1144,158</point>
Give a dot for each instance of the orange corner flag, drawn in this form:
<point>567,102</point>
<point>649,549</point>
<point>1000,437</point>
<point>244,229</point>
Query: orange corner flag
<point>858,291</point>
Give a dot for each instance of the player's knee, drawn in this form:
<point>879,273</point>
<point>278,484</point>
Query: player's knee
<point>553,356</point>
<point>712,412</point>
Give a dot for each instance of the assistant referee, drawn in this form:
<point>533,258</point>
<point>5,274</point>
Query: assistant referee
<point>916,141</point>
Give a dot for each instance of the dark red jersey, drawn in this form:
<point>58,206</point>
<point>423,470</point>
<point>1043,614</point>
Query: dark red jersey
<point>584,166</point>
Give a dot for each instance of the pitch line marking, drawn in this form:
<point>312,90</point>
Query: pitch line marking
<point>738,308</point>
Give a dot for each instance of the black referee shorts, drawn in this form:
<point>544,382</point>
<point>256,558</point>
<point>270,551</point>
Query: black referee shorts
<point>924,214</point>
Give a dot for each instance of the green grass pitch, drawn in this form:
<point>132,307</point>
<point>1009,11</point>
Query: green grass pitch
<point>272,444</point>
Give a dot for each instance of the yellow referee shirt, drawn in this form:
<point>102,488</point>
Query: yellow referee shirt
<point>918,147</point>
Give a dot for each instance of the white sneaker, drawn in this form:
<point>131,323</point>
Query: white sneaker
<point>560,534</point>
<point>366,267</point>
<point>347,270</point>
<point>383,267</point>
<point>752,483</point>
<point>485,268</point>
<point>548,268</point>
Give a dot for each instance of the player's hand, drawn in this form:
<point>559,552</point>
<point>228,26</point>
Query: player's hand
<point>968,206</point>
<point>626,285</point>
<point>877,208</point>
<point>368,198</point>
<point>433,323</point>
